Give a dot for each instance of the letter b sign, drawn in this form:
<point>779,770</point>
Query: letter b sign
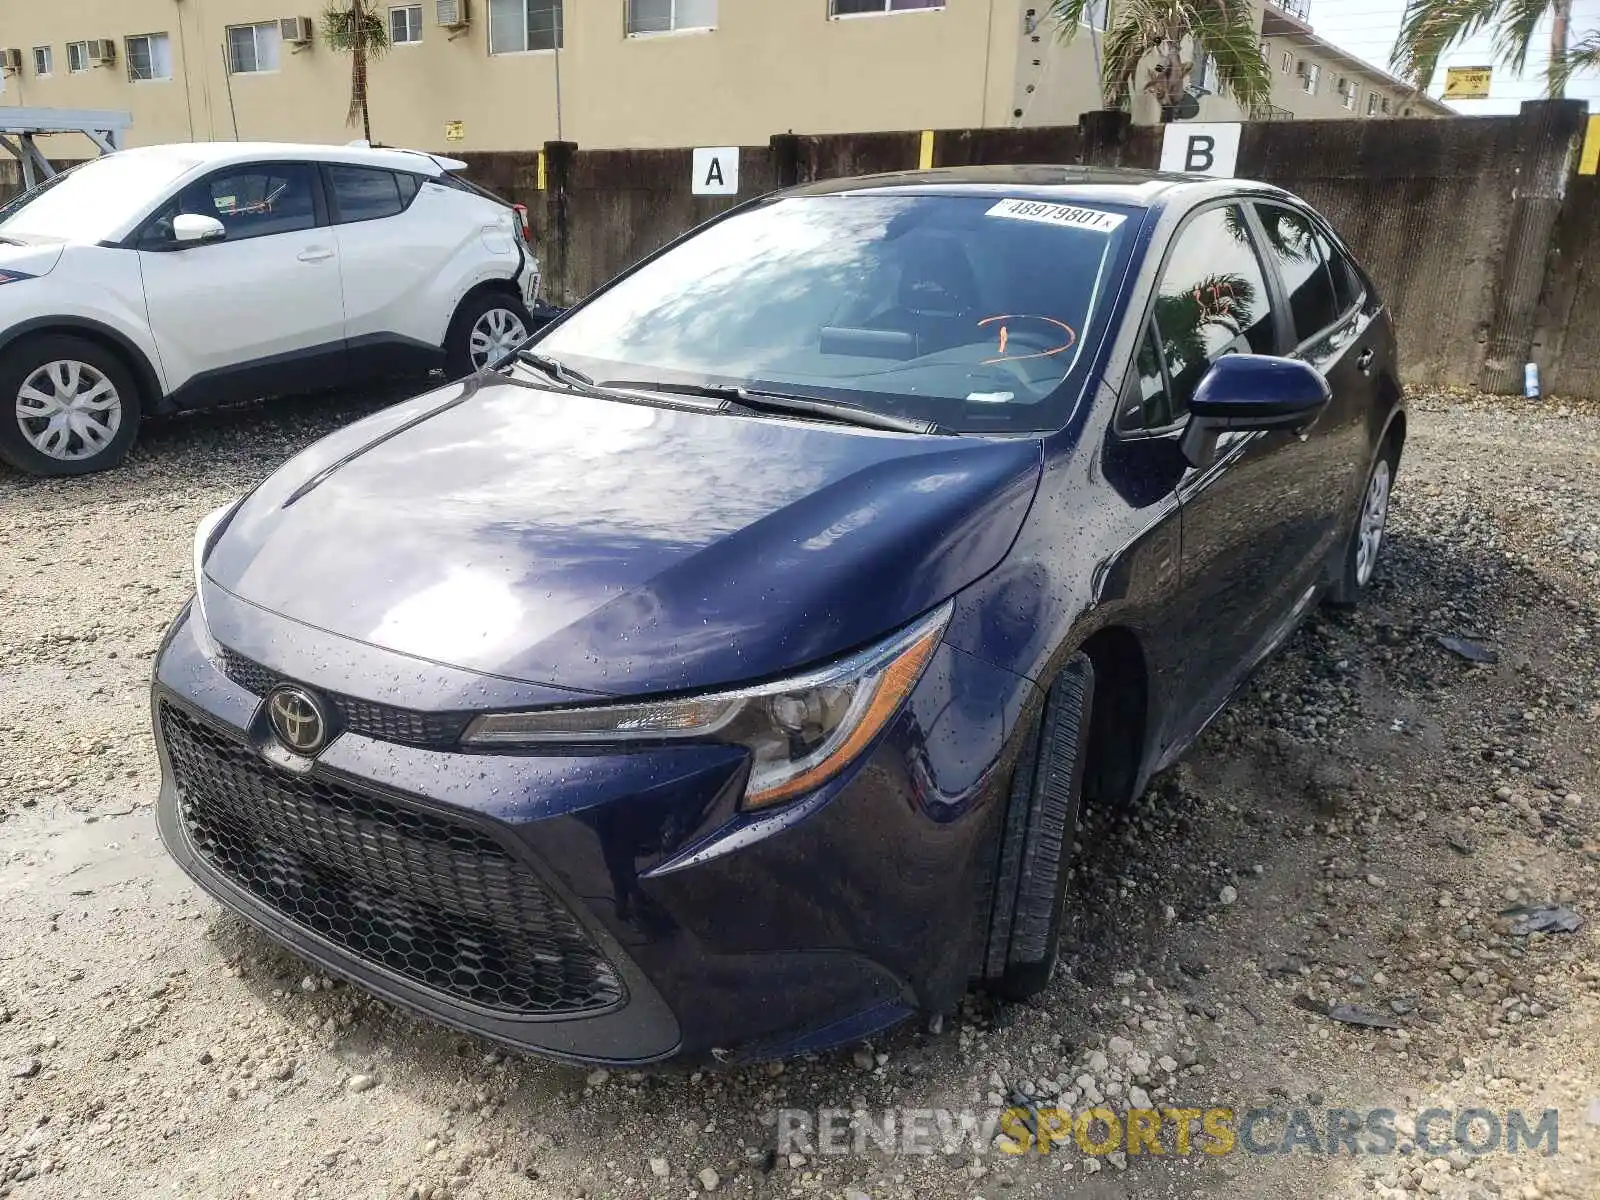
<point>1201,150</point>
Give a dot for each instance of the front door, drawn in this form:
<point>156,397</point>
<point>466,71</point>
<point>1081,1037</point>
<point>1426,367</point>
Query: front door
<point>259,312</point>
<point>1253,518</point>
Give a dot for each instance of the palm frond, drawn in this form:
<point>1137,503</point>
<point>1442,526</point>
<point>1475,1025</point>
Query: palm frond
<point>1583,56</point>
<point>1519,23</point>
<point>1430,27</point>
<point>1226,31</point>
<point>355,28</point>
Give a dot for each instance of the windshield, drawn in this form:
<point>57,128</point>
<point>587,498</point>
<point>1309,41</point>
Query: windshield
<point>95,199</point>
<point>975,312</point>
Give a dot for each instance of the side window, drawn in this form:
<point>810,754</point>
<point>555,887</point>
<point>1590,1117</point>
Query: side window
<point>1213,300</point>
<point>1149,406</point>
<point>1348,286</point>
<point>1294,246</point>
<point>365,193</point>
<point>252,202</point>
<point>408,189</point>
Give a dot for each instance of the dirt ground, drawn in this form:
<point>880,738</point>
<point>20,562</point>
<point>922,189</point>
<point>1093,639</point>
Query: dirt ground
<point>1349,833</point>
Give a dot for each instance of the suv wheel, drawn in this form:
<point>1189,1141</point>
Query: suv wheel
<point>70,406</point>
<point>487,328</point>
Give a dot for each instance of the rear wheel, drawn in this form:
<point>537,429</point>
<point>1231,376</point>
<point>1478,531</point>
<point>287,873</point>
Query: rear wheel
<point>70,406</point>
<point>1367,536</point>
<point>1041,819</point>
<point>487,328</point>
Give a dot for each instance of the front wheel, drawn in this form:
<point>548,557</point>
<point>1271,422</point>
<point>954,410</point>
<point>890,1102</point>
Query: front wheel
<point>487,328</point>
<point>1030,881</point>
<point>70,406</point>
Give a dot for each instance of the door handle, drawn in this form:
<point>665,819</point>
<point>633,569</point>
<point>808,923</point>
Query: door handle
<point>315,254</point>
<point>1364,363</point>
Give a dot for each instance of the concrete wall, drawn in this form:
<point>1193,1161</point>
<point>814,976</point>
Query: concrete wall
<point>1438,211</point>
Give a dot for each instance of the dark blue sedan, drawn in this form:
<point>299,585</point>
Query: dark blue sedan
<point>724,674</point>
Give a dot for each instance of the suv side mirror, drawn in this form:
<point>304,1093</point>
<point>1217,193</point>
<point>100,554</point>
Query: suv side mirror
<point>192,228</point>
<point>1251,391</point>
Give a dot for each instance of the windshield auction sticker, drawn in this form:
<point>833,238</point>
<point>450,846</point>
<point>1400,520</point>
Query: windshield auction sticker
<point>1058,214</point>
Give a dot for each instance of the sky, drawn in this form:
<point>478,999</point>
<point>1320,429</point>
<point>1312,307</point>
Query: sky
<point>1367,29</point>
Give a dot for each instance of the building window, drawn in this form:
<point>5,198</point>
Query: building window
<point>1310,77</point>
<point>1385,106</point>
<point>44,60</point>
<point>77,57</point>
<point>253,48</point>
<point>1349,93</point>
<point>1094,16</point>
<point>150,56</point>
<point>405,25</point>
<point>518,25</point>
<point>1288,62</point>
<point>861,8</point>
<point>1372,104</point>
<point>670,16</point>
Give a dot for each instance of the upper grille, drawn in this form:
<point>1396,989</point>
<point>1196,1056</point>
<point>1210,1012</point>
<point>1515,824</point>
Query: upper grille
<point>433,900</point>
<point>433,731</point>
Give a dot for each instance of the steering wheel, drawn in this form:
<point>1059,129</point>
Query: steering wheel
<point>1039,337</point>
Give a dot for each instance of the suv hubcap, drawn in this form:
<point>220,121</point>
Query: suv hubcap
<point>68,410</point>
<point>1374,515</point>
<point>495,334</point>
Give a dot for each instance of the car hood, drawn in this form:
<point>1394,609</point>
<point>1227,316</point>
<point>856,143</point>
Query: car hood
<point>33,259</point>
<point>619,548</point>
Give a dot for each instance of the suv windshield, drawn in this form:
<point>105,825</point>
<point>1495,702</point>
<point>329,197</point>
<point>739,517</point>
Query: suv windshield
<point>95,199</point>
<point>974,312</point>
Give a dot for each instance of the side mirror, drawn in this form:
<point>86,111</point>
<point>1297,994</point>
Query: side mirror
<point>1251,391</point>
<point>191,229</point>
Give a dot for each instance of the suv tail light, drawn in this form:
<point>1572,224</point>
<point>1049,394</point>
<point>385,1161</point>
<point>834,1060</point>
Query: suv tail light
<point>522,223</point>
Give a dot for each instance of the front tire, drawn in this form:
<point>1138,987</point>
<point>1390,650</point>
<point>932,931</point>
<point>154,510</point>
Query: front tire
<point>68,406</point>
<point>1041,820</point>
<point>487,326</point>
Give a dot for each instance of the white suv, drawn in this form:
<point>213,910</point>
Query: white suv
<point>171,277</point>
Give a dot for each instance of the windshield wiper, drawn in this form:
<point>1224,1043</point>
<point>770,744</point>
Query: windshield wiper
<point>556,369</point>
<point>785,404</point>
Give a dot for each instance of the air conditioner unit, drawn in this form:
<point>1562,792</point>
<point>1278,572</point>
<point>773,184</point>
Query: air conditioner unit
<point>103,51</point>
<point>453,14</point>
<point>11,60</point>
<point>295,30</point>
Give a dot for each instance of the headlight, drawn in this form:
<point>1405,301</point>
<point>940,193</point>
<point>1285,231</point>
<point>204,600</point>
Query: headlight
<point>800,732</point>
<point>205,536</point>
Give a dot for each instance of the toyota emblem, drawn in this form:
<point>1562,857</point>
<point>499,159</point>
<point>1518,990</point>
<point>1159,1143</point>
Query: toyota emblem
<point>298,719</point>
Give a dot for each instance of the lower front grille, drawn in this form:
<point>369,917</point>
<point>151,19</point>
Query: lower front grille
<point>433,900</point>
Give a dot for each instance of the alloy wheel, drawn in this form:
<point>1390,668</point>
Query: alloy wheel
<point>68,410</point>
<point>1374,516</point>
<point>495,334</point>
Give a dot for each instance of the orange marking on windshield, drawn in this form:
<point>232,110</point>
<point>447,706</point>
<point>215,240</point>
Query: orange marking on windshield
<point>1005,337</point>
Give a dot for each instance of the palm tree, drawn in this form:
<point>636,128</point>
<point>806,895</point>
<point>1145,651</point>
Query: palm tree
<point>1223,29</point>
<point>1431,27</point>
<point>356,29</point>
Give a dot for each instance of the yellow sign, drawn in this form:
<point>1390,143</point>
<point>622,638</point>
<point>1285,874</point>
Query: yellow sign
<point>454,131</point>
<point>1467,83</point>
<point>1589,161</point>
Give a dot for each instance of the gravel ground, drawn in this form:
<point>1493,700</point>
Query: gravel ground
<point>1349,832</point>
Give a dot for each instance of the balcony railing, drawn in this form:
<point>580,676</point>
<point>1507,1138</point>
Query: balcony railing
<point>1299,9</point>
<point>1270,112</point>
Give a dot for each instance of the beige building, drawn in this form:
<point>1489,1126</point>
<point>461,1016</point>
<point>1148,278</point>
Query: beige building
<point>488,74</point>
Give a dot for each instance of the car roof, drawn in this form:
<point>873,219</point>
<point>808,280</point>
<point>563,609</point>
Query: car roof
<point>221,154</point>
<point>1042,181</point>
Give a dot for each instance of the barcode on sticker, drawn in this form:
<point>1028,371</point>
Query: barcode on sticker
<point>1058,214</point>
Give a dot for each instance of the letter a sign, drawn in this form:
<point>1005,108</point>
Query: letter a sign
<point>716,172</point>
<point>1201,150</point>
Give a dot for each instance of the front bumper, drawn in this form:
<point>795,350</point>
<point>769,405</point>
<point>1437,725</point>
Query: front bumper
<point>743,935</point>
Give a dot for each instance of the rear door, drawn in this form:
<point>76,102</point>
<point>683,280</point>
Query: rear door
<point>1253,519</point>
<point>259,312</point>
<point>1332,331</point>
<point>410,248</point>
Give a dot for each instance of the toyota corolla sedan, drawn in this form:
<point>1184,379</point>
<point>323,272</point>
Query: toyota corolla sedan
<point>723,675</point>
